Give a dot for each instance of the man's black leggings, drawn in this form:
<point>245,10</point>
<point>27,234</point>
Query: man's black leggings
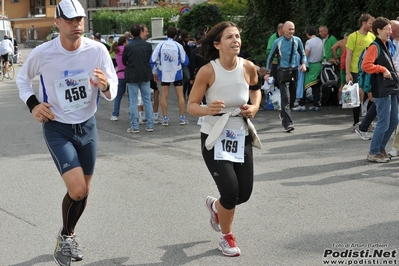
<point>234,180</point>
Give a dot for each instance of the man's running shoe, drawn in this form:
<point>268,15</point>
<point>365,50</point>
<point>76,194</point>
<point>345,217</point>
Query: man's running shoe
<point>299,108</point>
<point>214,221</point>
<point>142,120</point>
<point>132,130</point>
<point>362,135</point>
<point>183,120</point>
<point>393,153</point>
<point>314,108</point>
<point>378,158</point>
<point>62,252</point>
<point>227,245</point>
<point>165,121</point>
<point>76,252</point>
<point>114,118</point>
<point>289,128</point>
<point>385,154</point>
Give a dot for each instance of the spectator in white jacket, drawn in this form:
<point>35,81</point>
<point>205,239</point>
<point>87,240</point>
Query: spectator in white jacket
<point>168,58</point>
<point>6,48</point>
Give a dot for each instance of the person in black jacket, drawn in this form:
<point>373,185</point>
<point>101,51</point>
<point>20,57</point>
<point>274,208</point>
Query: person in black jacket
<point>138,76</point>
<point>196,60</point>
<point>188,46</point>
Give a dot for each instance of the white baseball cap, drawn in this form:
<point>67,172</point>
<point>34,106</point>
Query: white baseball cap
<point>69,9</point>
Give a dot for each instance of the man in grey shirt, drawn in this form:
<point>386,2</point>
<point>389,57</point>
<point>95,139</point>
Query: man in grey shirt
<point>314,53</point>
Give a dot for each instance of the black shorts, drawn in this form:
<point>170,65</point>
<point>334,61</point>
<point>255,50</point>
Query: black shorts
<point>153,85</point>
<point>4,57</point>
<point>176,83</point>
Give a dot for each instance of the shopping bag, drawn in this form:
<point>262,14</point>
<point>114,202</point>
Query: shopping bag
<point>275,98</point>
<point>269,104</point>
<point>268,85</point>
<point>350,95</point>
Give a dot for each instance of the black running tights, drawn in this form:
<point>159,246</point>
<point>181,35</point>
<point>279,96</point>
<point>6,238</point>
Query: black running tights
<point>234,180</point>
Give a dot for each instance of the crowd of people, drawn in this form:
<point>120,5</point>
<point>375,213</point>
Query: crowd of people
<point>297,67</point>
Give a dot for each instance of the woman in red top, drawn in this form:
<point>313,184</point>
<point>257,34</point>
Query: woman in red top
<point>384,80</point>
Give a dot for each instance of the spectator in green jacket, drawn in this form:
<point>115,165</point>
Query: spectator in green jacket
<point>110,42</point>
<point>275,36</point>
<point>328,41</point>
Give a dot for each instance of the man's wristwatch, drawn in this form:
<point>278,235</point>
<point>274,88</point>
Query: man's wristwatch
<point>107,89</point>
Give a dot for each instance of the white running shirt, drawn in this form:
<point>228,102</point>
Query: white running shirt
<point>6,47</point>
<point>58,71</point>
<point>169,56</point>
<point>232,87</point>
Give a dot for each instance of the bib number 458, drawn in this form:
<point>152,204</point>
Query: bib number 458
<point>75,93</point>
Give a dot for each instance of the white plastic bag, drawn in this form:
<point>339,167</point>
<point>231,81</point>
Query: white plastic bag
<point>275,98</point>
<point>350,95</point>
<point>268,85</point>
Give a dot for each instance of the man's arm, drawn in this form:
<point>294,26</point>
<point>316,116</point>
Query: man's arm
<point>273,52</point>
<point>270,44</point>
<point>192,63</point>
<point>184,57</point>
<point>303,56</point>
<point>334,48</point>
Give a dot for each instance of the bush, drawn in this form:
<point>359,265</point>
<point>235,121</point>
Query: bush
<point>106,21</point>
<point>203,15</point>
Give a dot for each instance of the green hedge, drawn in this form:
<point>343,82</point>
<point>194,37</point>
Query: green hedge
<point>106,21</point>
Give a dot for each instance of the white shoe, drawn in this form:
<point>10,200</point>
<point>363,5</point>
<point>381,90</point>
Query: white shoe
<point>299,108</point>
<point>142,121</point>
<point>114,118</point>
<point>228,246</point>
<point>393,153</point>
<point>214,220</point>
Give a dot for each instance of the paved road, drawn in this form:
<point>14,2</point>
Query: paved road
<point>314,192</point>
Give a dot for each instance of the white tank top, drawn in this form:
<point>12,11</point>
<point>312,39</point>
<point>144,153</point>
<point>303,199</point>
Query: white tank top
<point>230,86</point>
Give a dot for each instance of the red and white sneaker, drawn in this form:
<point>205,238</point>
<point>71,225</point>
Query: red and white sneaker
<point>214,221</point>
<point>227,245</point>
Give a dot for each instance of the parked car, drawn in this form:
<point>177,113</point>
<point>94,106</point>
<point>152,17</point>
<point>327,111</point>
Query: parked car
<point>116,37</point>
<point>155,40</point>
<point>52,35</point>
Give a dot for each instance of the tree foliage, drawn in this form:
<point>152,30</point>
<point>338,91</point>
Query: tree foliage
<point>230,9</point>
<point>106,21</point>
<point>202,15</point>
<point>339,16</point>
<point>261,17</point>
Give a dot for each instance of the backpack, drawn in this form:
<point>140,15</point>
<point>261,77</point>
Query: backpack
<point>327,75</point>
<point>364,79</point>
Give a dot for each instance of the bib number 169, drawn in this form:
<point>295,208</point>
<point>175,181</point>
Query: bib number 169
<point>229,145</point>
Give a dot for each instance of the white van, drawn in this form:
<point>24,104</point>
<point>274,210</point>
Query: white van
<point>5,28</point>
